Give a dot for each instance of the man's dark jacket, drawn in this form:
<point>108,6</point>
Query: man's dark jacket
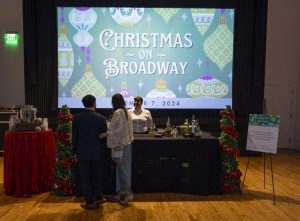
<point>86,129</point>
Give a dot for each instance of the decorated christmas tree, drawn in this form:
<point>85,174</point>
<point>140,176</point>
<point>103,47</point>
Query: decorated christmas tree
<point>230,152</point>
<point>65,162</point>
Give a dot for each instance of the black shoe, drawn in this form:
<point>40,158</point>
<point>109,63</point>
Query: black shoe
<point>86,206</point>
<point>101,201</point>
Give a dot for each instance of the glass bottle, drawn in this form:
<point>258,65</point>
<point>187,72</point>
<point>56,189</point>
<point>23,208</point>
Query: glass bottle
<point>168,125</point>
<point>197,129</point>
<point>186,127</point>
<point>193,124</point>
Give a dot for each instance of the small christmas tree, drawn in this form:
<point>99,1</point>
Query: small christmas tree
<point>230,152</point>
<point>65,163</point>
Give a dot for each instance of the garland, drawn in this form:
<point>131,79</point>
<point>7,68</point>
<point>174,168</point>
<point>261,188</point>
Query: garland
<point>65,162</point>
<point>230,152</point>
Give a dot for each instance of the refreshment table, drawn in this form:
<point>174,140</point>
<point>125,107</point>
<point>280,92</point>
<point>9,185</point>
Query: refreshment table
<point>29,158</point>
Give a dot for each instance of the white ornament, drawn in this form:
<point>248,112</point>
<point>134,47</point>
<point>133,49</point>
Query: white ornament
<point>127,16</point>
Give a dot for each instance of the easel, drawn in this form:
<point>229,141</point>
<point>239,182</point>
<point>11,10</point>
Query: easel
<point>264,154</point>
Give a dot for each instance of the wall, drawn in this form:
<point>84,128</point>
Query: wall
<point>297,100</point>
<point>12,90</point>
<point>282,91</point>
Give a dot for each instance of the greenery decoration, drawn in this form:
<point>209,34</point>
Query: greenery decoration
<point>65,162</point>
<point>230,152</point>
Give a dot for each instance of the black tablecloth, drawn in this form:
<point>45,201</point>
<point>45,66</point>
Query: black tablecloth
<point>166,164</point>
<point>186,165</point>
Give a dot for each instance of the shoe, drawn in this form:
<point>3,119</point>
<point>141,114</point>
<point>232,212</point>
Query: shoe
<point>101,201</point>
<point>119,196</point>
<point>86,206</point>
<point>126,200</point>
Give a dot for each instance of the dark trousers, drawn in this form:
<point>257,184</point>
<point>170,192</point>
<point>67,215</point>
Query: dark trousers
<point>90,175</point>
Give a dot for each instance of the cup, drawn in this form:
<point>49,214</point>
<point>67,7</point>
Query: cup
<point>151,131</point>
<point>45,124</point>
<point>12,122</point>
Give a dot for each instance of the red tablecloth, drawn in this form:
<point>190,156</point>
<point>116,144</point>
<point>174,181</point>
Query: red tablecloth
<point>28,162</point>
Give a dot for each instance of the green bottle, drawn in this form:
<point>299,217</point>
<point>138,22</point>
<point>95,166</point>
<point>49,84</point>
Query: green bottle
<point>186,127</point>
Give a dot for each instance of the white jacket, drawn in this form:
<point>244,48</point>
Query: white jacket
<point>120,130</point>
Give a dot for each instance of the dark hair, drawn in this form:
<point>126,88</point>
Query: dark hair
<point>118,102</point>
<point>138,98</point>
<point>88,100</point>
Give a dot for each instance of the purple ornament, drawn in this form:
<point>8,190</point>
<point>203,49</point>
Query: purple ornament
<point>222,11</point>
<point>62,19</point>
<point>88,52</point>
<point>82,8</point>
<point>207,77</point>
<point>124,93</point>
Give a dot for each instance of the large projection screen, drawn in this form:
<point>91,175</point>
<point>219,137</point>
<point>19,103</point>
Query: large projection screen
<point>175,58</point>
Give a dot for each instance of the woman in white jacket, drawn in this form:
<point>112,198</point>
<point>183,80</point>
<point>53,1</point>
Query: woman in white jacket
<point>119,138</point>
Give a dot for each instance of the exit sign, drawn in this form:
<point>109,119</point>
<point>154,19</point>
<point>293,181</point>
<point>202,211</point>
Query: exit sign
<point>11,39</point>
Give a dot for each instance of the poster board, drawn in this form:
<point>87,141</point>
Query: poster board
<point>263,133</point>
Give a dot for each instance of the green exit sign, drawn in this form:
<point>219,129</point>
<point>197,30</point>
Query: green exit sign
<point>11,39</point>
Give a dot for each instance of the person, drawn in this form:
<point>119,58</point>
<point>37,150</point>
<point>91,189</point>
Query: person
<point>141,118</point>
<point>88,148</point>
<point>119,138</point>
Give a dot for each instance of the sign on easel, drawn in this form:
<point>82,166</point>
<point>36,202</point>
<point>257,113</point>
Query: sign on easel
<point>263,133</point>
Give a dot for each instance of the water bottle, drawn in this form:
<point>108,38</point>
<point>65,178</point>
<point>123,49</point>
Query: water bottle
<point>108,120</point>
<point>168,125</point>
<point>197,129</point>
<point>193,124</point>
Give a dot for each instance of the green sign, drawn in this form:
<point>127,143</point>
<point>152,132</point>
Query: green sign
<point>264,120</point>
<point>11,39</point>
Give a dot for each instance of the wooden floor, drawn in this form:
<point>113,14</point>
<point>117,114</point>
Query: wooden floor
<point>255,203</point>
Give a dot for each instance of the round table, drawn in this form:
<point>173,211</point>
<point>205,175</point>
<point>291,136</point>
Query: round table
<point>29,158</point>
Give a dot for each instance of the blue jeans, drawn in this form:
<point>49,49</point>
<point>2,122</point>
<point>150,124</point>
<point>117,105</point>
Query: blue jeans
<point>123,171</point>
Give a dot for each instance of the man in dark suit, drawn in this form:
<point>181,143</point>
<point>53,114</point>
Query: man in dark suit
<point>89,149</point>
